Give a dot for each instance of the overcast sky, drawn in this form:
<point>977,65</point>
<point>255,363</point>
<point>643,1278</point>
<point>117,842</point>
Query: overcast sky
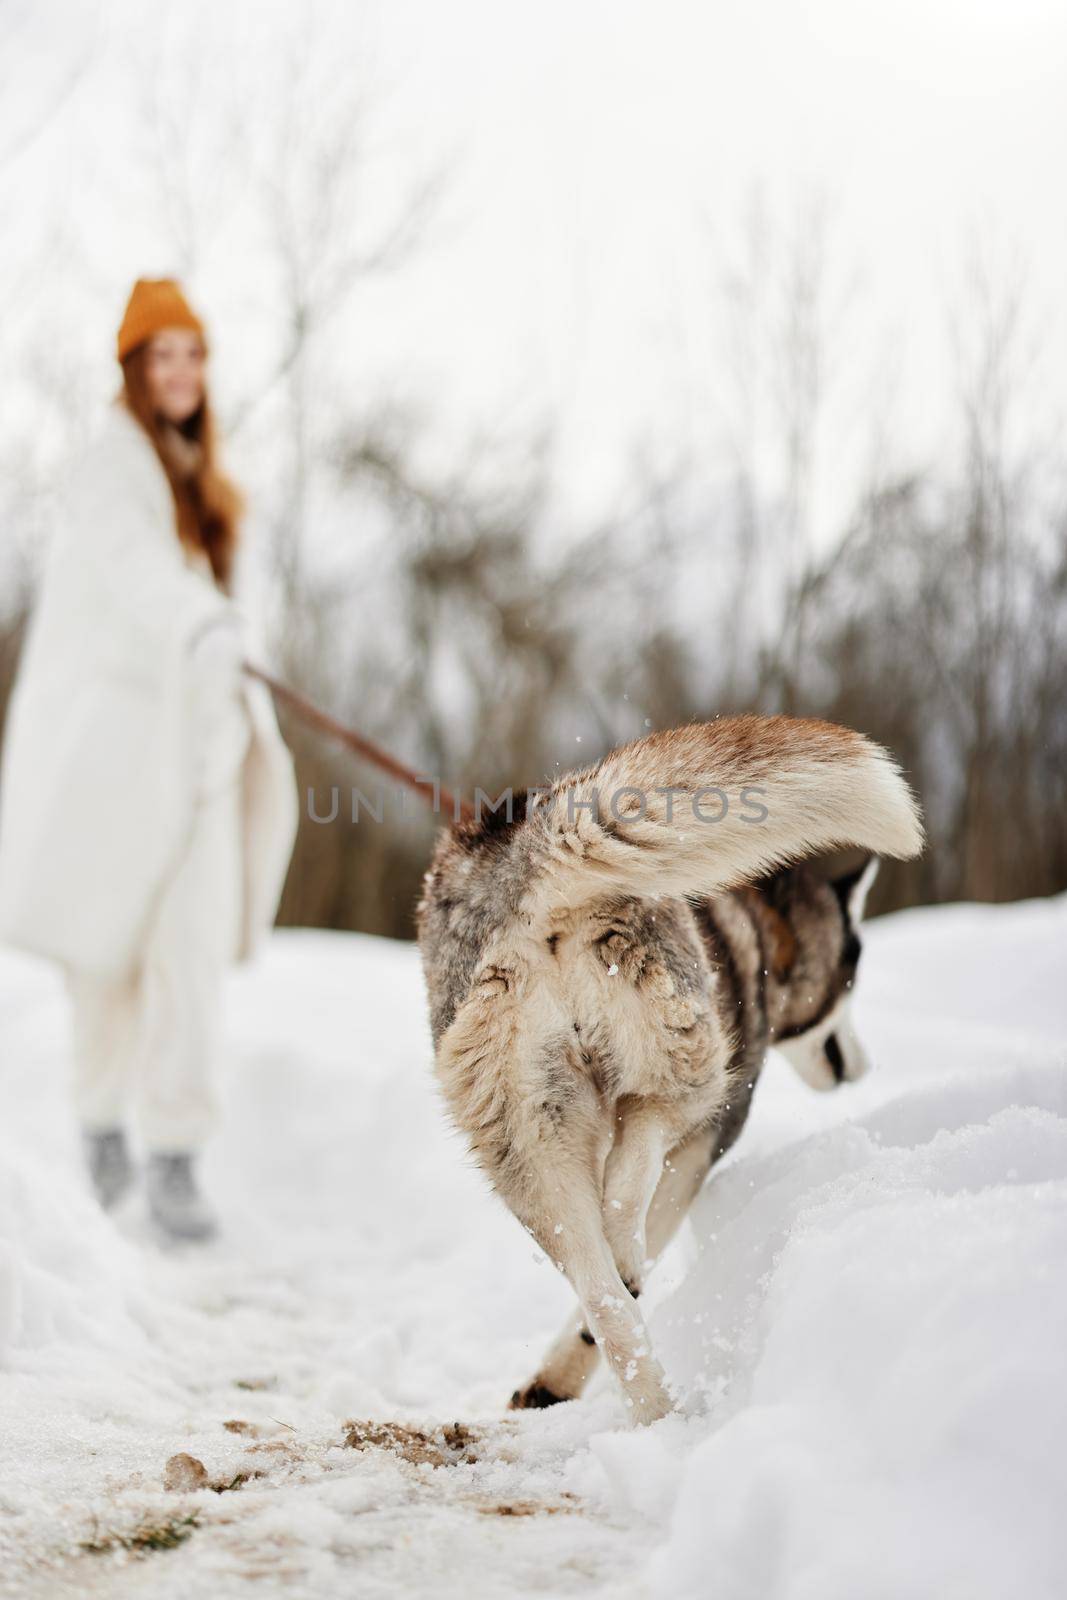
<point>604,152</point>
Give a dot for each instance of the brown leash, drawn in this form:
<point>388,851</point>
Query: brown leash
<point>452,805</point>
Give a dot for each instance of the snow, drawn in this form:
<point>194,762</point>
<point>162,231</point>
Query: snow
<point>865,1317</point>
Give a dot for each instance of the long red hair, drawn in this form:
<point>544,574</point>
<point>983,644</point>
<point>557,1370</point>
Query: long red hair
<point>208,505</point>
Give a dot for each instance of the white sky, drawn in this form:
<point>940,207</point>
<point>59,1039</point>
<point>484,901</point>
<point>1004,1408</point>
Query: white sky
<point>610,142</point>
<point>601,149</point>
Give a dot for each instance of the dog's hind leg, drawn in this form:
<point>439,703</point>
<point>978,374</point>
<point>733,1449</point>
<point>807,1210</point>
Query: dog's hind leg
<point>631,1176</point>
<point>566,1369</point>
<point>554,1189</point>
<point>611,1313</point>
<point>684,1172</point>
<point>573,1356</point>
<point>539,1127</point>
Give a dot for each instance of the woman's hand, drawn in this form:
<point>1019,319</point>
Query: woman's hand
<point>220,723</point>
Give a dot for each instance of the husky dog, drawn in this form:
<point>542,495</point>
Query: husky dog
<point>607,963</point>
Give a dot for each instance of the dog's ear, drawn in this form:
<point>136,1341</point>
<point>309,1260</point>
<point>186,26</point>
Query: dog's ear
<point>852,888</point>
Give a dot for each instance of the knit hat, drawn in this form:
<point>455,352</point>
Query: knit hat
<point>154,304</point>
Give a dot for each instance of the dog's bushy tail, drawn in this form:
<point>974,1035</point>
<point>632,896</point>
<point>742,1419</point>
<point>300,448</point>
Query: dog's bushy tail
<point>712,805</point>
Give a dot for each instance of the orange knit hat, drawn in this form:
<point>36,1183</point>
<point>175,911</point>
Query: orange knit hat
<point>154,304</point>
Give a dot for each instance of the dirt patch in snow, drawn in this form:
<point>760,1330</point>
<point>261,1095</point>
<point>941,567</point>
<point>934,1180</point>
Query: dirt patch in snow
<point>451,1445</point>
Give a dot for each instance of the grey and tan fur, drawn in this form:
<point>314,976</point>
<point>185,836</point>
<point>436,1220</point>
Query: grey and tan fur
<point>606,969</point>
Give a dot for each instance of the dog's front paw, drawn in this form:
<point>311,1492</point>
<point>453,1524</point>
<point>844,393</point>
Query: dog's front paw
<point>535,1397</point>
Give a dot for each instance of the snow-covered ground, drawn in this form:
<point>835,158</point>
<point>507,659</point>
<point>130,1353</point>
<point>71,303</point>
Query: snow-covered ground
<point>866,1317</point>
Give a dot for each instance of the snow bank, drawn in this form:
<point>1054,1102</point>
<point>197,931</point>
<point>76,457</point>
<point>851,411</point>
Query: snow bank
<point>65,1274</point>
<point>69,1282</point>
<point>890,1320</point>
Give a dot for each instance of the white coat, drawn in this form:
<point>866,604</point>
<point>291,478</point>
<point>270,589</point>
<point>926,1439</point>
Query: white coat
<point>96,786</point>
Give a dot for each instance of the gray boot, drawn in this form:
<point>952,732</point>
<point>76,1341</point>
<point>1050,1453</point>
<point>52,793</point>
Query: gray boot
<point>107,1156</point>
<point>174,1198</point>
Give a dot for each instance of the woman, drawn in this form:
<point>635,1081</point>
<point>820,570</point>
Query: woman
<point>147,801</point>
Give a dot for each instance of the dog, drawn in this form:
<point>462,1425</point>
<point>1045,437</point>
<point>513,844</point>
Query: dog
<point>607,961</point>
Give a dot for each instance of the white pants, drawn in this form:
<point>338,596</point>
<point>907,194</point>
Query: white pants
<point>152,1044</point>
